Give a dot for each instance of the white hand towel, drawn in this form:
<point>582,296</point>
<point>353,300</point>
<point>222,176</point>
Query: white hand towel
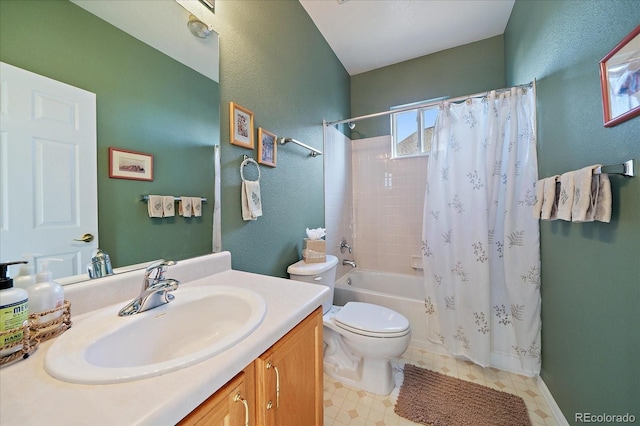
<point>168,206</point>
<point>603,203</point>
<point>196,206</point>
<point>549,199</point>
<point>585,194</point>
<point>185,206</point>
<point>565,200</point>
<point>154,205</point>
<point>537,205</point>
<point>251,201</point>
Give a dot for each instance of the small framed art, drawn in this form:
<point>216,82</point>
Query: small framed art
<point>620,80</point>
<point>125,164</point>
<point>267,147</point>
<point>240,126</point>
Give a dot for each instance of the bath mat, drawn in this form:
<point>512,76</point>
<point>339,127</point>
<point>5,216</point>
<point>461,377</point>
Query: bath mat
<point>435,399</point>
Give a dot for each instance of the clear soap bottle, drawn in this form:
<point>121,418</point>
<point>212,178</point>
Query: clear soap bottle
<point>26,276</point>
<point>44,295</point>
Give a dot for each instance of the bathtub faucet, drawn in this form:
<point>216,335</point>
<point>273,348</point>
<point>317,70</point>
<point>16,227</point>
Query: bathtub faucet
<point>344,246</point>
<point>351,263</point>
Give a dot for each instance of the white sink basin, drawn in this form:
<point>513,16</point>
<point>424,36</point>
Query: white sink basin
<point>201,322</point>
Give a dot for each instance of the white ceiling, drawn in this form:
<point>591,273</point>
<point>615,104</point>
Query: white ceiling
<point>369,34</point>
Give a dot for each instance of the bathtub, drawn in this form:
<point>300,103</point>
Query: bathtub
<point>402,293</point>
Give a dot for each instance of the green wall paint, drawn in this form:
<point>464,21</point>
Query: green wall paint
<point>275,62</point>
<point>590,271</point>
<point>146,102</point>
<point>460,71</point>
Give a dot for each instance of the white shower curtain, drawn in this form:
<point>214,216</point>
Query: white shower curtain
<point>480,244</point>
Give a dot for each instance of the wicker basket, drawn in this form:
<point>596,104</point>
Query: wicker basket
<point>34,331</point>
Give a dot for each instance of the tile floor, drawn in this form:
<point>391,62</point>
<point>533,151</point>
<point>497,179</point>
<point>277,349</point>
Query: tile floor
<point>347,406</point>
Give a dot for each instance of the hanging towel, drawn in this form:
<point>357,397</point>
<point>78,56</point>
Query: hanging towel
<point>537,205</point>
<point>251,201</point>
<point>549,199</point>
<point>184,207</point>
<point>154,205</point>
<point>565,200</point>
<point>603,203</point>
<point>586,186</point>
<point>168,206</point>
<point>196,206</point>
<point>250,193</point>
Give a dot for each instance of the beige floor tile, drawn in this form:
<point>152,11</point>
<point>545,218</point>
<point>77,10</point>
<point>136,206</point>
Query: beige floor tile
<point>351,407</point>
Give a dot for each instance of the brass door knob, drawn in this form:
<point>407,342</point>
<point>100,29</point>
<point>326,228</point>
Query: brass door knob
<point>86,238</point>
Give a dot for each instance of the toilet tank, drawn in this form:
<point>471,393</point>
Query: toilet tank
<point>323,273</point>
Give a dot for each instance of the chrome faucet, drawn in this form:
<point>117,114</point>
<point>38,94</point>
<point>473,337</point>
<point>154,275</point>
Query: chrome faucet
<point>155,289</point>
<point>351,263</point>
<point>344,246</point>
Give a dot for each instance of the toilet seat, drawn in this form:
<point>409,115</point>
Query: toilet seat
<point>371,320</point>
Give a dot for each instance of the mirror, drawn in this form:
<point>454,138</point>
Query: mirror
<point>165,104</point>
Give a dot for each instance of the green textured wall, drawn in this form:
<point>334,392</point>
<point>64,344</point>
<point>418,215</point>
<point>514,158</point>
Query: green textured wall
<point>146,102</point>
<point>460,71</point>
<point>275,63</point>
<point>590,271</point>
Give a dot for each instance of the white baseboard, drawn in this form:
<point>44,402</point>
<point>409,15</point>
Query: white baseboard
<point>551,403</point>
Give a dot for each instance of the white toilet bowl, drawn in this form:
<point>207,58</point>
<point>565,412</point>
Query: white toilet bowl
<point>360,339</point>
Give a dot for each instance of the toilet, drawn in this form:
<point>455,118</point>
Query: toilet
<point>360,339</point>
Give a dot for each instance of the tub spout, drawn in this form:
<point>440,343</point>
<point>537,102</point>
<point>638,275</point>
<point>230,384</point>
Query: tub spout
<point>351,263</point>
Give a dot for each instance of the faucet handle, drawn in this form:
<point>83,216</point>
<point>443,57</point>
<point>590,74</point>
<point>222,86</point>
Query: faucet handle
<point>344,245</point>
<point>158,268</point>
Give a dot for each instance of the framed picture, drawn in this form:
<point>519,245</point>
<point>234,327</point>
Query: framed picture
<point>124,164</point>
<point>241,126</point>
<point>620,80</point>
<point>267,147</point>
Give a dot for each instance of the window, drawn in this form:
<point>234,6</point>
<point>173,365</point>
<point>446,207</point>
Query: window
<point>412,130</point>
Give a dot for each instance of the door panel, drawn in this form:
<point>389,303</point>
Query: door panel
<point>48,189</point>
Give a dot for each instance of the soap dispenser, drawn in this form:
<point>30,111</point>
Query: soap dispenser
<point>46,294</point>
<point>13,310</point>
<point>26,276</point>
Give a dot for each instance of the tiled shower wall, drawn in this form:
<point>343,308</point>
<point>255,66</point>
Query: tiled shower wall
<point>388,201</point>
<point>375,202</point>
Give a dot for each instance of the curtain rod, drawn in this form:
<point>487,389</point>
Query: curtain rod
<point>426,104</point>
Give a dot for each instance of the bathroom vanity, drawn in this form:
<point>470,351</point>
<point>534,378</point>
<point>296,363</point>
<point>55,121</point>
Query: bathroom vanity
<point>276,370</point>
<point>282,387</point>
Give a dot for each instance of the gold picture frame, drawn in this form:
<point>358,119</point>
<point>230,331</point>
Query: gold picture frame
<point>620,79</point>
<point>240,126</point>
<point>125,164</point>
<point>267,147</point>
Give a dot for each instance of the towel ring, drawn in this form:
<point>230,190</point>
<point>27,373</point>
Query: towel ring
<point>245,162</point>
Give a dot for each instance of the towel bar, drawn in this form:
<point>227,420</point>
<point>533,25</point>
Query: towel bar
<point>314,151</point>
<point>145,198</point>
<point>626,169</point>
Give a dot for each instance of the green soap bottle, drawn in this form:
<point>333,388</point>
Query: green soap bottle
<point>13,310</point>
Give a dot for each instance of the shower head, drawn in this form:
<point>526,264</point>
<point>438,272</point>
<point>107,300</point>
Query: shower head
<point>351,125</point>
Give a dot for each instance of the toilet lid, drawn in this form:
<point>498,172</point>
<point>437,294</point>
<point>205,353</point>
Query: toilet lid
<point>371,320</point>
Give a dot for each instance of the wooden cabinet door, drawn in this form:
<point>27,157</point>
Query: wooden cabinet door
<point>231,405</point>
<point>289,377</point>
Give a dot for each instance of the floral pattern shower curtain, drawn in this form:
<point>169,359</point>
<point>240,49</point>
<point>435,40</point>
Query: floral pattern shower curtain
<point>480,243</point>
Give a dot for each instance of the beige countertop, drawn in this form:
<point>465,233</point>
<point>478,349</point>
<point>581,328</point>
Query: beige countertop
<point>29,396</point>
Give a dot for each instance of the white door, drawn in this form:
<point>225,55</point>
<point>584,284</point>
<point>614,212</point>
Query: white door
<point>48,188</point>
